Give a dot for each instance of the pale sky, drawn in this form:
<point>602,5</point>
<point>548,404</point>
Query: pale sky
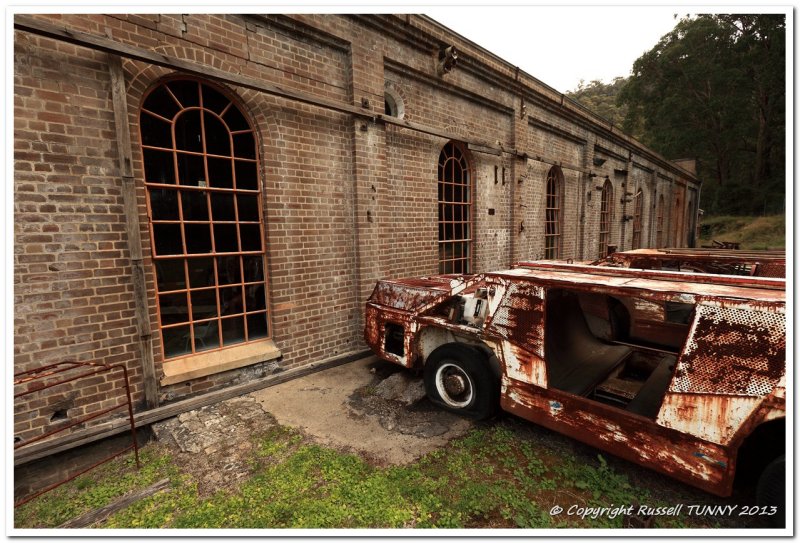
<point>562,45</point>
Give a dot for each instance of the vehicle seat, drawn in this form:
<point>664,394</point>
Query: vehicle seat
<point>577,361</point>
<point>649,398</point>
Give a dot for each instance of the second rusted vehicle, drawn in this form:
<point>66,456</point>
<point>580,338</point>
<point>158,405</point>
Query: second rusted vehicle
<point>681,373</point>
<point>715,261</point>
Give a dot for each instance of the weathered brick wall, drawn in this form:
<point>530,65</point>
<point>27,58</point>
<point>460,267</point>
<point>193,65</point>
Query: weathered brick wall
<point>73,298</point>
<point>346,201</point>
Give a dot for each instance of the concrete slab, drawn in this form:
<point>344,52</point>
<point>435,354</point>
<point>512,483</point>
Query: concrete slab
<point>337,408</point>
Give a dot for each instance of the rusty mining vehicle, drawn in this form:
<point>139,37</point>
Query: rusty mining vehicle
<point>680,372</point>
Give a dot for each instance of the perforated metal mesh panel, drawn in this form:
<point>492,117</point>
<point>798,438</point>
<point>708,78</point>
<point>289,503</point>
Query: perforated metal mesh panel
<point>519,317</point>
<point>733,351</point>
<point>771,269</point>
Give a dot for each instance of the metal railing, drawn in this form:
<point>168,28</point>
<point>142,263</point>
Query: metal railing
<point>45,378</point>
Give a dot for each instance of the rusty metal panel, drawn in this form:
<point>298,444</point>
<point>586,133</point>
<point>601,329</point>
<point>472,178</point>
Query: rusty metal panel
<point>645,284</point>
<point>713,418</point>
<point>734,352</point>
<point>404,296</point>
<point>687,458</point>
<point>520,317</point>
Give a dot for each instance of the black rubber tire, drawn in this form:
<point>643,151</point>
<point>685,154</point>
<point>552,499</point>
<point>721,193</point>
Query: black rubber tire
<point>771,490</point>
<point>468,367</point>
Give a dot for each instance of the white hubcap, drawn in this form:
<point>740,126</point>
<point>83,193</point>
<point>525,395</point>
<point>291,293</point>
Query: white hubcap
<point>454,385</point>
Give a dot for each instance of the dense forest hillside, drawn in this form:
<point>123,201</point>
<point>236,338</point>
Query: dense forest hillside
<point>712,89</point>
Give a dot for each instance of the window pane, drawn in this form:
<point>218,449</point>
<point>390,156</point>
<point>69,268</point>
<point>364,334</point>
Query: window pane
<point>220,174</point>
<point>188,131</point>
<point>198,238</point>
<point>201,272</point>
<point>177,341</point>
<point>174,308</point>
<point>257,326</point>
<point>229,270</point>
<point>164,204</point>
<point>168,239</point>
<point>213,100</point>
<point>230,300</point>
<point>185,90</point>
<point>246,175</point>
<point>170,275</point>
<point>244,145</point>
<point>217,137</point>
<point>248,207</point>
<point>232,330</point>
<point>251,237</point>
<point>159,166</point>
<point>156,132</point>
<point>458,195</point>
<point>225,238</point>
<point>253,269</point>
<point>206,335</point>
<point>448,192</point>
<point>222,207</point>
<point>254,297</point>
<point>195,205</point>
<point>204,304</point>
<point>159,101</point>
<point>191,170</point>
<point>235,120</point>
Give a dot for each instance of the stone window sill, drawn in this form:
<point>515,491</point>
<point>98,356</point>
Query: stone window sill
<point>200,365</point>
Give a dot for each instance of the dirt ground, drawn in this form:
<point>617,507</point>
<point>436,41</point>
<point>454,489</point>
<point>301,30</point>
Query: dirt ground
<point>347,408</point>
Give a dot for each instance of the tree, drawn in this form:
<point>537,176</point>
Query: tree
<point>714,89</point>
<point>601,98</point>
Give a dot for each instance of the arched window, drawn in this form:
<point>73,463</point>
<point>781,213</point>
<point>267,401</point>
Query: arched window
<point>638,208</point>
<point>393,103</point>
<point>455,210</point>
<point>552,214</point>
<point>660,222</point>
<point>606,198</point>
<point>204,208</point>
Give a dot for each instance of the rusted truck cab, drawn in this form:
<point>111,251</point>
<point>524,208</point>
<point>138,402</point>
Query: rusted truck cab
<point>677,372</point>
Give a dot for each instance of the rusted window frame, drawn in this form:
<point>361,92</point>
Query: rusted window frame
<point>187,257</point>
<point>660,222</point>
<point>455,155</point>
<point>606,214</point>
<point>638,209</point>
<point>553,216</point>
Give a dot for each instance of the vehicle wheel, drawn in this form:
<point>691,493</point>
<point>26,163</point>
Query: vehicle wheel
<point>459,379</point>
<point>771,490</point>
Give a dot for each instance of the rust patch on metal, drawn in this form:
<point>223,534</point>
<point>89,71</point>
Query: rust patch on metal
<point>520,317</point>
<point>732,351</point>
<point>404,296</point>
<point>688,459</point>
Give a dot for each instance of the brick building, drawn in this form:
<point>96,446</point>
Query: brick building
<point>209,199</point>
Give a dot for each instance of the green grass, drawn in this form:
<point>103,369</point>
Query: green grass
<point>488,478</point>
<point>753,233</point>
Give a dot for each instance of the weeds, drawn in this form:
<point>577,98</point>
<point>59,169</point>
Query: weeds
<point>753,233</point>
<point>488,478</point>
